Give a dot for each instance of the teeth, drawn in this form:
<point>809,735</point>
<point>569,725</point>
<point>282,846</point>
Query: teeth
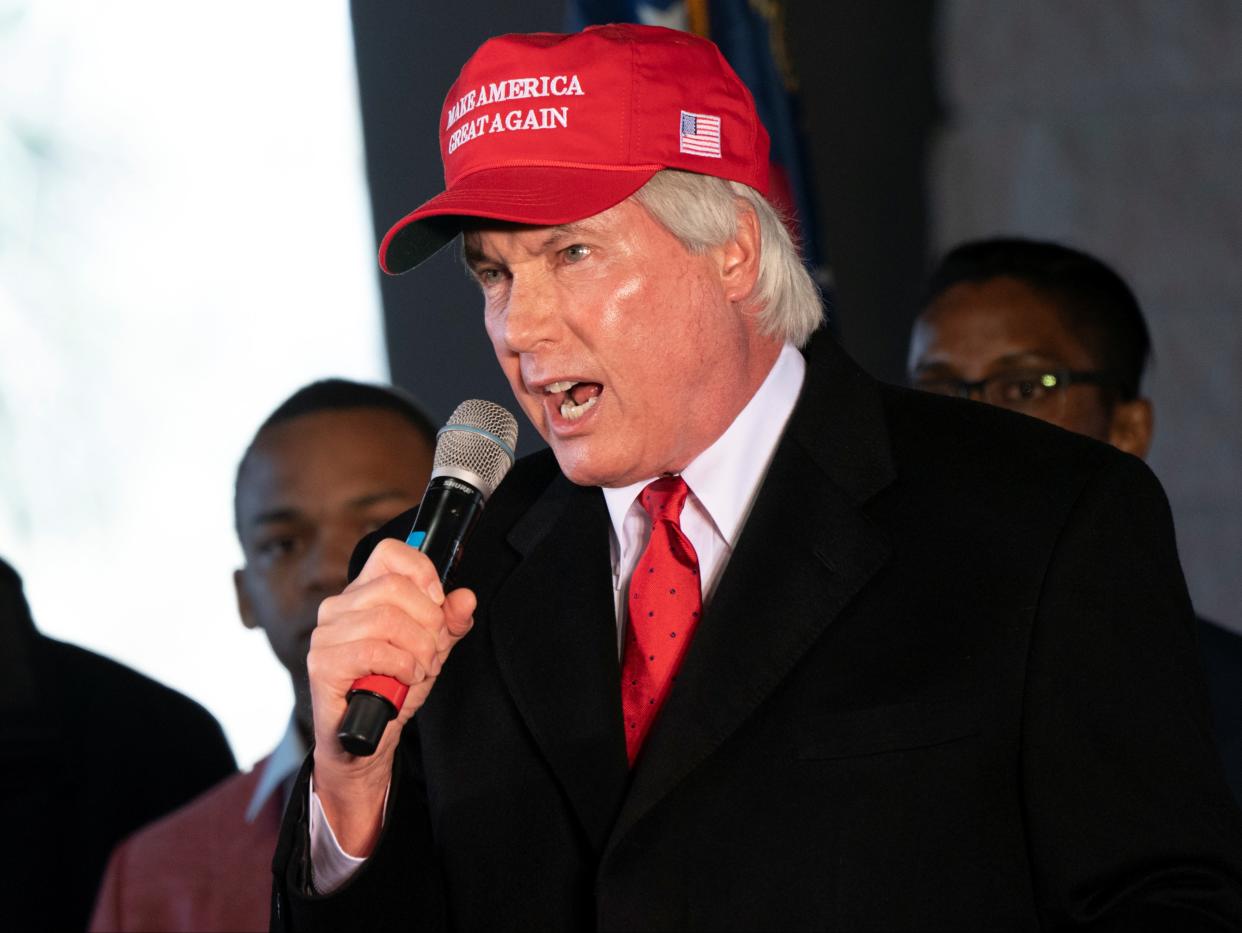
<point>572,412</point>
<point>559,387</point>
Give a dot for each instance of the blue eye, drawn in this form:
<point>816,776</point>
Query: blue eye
<point>576,253</point>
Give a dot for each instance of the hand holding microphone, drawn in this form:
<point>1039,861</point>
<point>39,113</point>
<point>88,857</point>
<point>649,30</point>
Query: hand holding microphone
<point>380,644</point>
<point>473,453</point>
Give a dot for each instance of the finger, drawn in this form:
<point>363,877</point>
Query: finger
<point>459,620</point>
<point>388,589</point>
<point>340,665</point>
<point>458,611</point>
<point>415,698</point>
<point>386,623</point>
<point>393,556</point>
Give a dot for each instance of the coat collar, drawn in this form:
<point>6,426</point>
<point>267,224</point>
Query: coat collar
<point>554,633</point>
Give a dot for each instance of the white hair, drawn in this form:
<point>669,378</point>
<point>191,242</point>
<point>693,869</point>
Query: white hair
<point>702,212</point>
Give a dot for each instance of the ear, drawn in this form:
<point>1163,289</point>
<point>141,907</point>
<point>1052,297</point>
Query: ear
<point>245,608</point>
<point>739,256</point>
<point>1131,426</point>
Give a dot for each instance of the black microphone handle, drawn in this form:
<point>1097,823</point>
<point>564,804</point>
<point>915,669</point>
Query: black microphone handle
<point>447,515</point>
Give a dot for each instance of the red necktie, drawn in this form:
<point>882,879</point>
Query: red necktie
<point>665,603</point>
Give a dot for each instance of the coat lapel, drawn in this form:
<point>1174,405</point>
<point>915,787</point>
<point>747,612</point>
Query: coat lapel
<point>806,550</point>
<point>555,636</point>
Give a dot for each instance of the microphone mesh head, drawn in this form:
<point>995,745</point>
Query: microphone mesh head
<point>478,439</point>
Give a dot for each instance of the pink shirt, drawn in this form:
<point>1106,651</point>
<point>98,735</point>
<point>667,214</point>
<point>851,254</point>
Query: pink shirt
<point>208,865</point>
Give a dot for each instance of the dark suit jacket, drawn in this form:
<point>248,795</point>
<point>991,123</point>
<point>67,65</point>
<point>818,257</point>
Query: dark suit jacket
<point>90,750</point>
<point>947,681</point>
<point>1221,651</point>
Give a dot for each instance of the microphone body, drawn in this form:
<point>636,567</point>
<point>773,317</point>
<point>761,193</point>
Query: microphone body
<point>471,459</point>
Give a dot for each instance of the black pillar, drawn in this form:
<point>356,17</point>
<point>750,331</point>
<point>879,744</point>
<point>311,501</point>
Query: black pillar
<point>408,54</point>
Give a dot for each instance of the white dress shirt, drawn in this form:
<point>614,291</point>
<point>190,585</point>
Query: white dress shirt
<point>279,770</point>
<point>723,481</point>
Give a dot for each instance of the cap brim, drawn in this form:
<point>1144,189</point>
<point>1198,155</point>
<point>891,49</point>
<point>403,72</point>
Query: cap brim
<point>538,195</point>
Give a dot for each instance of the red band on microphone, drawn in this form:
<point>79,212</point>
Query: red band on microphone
<point>389,688</point>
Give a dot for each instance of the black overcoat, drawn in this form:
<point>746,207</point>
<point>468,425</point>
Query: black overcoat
<point>948,680</point>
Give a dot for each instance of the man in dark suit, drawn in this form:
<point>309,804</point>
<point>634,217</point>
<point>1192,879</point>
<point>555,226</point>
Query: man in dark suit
<point>89,751</point>
<point>940,670</point>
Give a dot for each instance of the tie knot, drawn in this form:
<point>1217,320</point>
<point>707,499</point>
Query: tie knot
<point>664,498</point>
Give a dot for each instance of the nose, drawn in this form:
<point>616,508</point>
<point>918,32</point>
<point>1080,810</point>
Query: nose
<point>530,312</point>
<point>326,569</point>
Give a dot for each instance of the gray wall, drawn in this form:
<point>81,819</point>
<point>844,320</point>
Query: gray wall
<point>1116,126</point>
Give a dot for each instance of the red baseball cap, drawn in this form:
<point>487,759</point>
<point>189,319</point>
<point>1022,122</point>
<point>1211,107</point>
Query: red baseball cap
<point>546,128</point>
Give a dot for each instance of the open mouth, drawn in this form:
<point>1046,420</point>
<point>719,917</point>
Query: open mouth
<point>576,398</point>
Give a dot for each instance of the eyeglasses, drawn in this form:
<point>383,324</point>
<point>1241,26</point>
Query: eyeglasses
<point>1039,392</point>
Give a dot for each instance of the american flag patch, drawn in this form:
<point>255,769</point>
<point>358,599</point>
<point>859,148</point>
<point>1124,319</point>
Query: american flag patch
<point>700,134</point>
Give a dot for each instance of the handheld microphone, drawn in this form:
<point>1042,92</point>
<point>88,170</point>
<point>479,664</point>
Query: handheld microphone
<point>474,451</point>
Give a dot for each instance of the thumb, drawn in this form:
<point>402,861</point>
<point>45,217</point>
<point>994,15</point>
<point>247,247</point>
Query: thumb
<point>458,609</point>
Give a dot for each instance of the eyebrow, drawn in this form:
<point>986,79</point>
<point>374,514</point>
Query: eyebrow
<point>1029,355</point>
<point>276,516</point>
<point>561,232</point>
<point>475,256</point>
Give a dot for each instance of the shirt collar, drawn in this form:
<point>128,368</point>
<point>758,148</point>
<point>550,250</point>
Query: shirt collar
<point>280,765</point>
<point>725,477</point>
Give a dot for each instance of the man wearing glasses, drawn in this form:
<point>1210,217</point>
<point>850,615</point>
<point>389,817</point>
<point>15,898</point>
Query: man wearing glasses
<point>1040,329</point>
<point>1054,333</point>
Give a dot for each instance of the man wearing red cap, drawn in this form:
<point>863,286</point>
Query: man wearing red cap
<point>759,643</point>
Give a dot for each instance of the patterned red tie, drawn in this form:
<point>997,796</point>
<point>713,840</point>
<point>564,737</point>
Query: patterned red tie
<point>665,603</point>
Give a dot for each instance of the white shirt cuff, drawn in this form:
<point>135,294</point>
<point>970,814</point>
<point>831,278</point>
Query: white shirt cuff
<point>331,866</point>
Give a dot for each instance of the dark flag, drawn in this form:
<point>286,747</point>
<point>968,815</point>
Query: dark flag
<point>750,34</point>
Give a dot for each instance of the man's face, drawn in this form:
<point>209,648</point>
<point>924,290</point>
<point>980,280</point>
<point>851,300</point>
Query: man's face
<point>975,330</point>
<point>311,487</point>
<point>628,353</point>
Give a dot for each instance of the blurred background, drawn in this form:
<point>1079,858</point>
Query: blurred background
<point>191,198</point>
